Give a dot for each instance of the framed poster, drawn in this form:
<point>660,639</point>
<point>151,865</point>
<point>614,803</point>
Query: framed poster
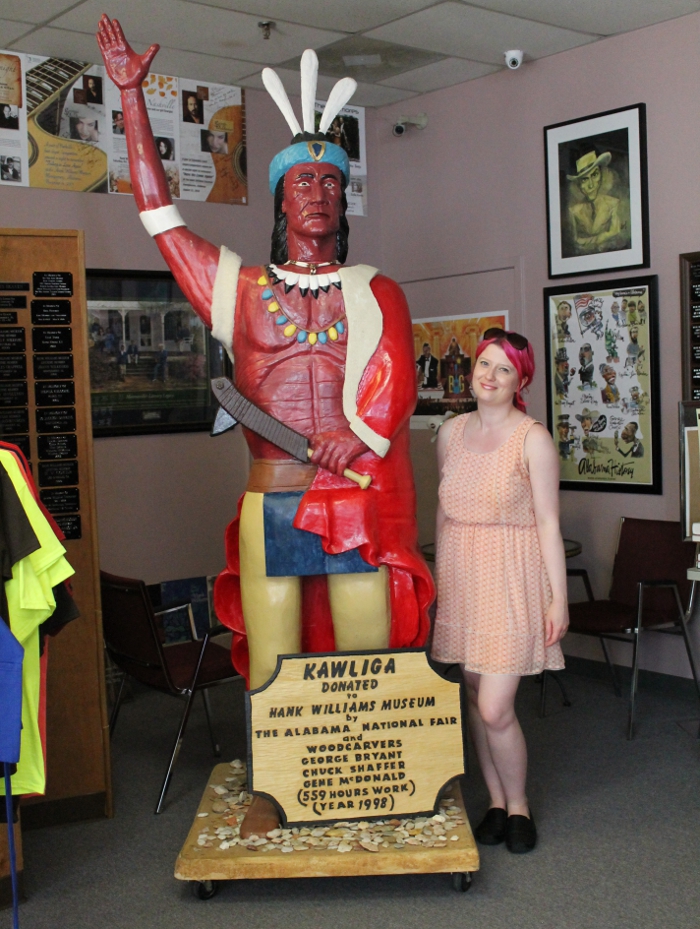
<point>690,324</point>
<point>603,384</point>
<point>597,202</point>
<point>151,357</point>
<point>689,435</point>
<point>444,348</point>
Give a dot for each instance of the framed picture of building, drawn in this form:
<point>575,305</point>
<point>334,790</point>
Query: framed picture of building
<point>603,384</point>
<point>444,348</point>
<point>597,202</point>
<point>151,357</point>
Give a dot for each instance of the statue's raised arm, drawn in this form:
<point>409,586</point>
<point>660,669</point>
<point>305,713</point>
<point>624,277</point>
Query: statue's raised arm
<point>191,258</point>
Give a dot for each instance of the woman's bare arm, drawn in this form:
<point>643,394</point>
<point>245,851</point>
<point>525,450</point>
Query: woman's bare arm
<point>543,464</point>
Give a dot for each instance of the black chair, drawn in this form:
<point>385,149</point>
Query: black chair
<point>649,587</point>
<point>134,642</point>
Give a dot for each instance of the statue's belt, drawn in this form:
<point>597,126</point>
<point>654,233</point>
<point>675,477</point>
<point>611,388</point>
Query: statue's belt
<point>275,475</point>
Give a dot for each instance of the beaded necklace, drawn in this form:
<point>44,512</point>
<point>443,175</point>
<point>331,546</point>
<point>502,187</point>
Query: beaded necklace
<point>291,330</point>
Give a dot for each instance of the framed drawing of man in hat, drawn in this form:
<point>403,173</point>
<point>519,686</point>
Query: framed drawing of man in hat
<point>597,205</point>
<point>602,384</point>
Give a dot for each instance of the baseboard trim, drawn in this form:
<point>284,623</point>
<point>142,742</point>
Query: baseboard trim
<point>36,815</point>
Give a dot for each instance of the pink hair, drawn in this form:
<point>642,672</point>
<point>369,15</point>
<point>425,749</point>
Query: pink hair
<point>522,359</point>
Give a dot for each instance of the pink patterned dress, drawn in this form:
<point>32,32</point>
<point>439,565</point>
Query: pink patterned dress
<point>493,589</point>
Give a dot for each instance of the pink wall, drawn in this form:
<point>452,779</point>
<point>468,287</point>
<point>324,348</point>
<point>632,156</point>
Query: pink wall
<point>468,194</point>
<point>465,195</point>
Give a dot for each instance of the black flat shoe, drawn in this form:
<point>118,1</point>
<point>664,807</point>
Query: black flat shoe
<point>521,835</point>
<point>492,828</point>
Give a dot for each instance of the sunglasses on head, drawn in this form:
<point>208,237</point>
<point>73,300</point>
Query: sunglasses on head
<point>517,341</point>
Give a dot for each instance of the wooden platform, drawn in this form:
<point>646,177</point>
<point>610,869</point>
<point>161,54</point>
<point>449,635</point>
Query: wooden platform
<point>202,864</point>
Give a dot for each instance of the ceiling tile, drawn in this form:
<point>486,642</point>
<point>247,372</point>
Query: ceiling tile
<point>60,43</point>
<point>365,95</point>
<point>595,16</point>
<point>11,31</point>
<point>441,74</point>
<point>469,32</point>
<point>33,11</point>
<point>345,15</point>
<point>387,59</point>
<point>197,28</point>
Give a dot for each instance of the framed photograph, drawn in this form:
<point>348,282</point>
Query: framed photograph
<point>690,324</point>
<point>689,434</point>
<point>444,348</point>
<point>151,357</point>
<point>602,355</point>
<point>597,203</point>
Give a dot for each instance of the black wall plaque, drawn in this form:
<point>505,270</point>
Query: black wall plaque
<point>13,303</point>
<point>58,473</point>
<point>13,367</point>
<point>7,319</point>
<point>13,285</point>
<point>54,393</point>
<point>21,441</point>
<point>57,446</point>
<point>12,340</point>
<point>14,421</point>
<point>61,500</point>
<point>52,284</point>
<point>14,394</point>
<point>70,526</point>
<point>50,367</point>
<point>52,340</point>
<point>50,312</point>
<point>55,420</point>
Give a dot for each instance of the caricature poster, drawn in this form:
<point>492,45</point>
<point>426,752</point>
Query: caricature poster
<point>602,385</point>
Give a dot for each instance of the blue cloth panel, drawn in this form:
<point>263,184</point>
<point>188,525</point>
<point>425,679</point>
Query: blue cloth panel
<point>11,658</point>
<point>291,552</point>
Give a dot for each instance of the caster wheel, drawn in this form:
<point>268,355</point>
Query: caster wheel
<point>461,881</point>
<point>205,890</point>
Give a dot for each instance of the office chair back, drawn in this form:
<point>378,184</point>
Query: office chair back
<point>651,550</point>
<point>130,631</point>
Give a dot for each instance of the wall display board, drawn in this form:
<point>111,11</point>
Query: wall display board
<point>45,410</point>
<point>354,735</point>
<point>62,127</point>
<point>151,357</point>
<point>597,200</point>
<point>603,407</point>
<point>690,324</point>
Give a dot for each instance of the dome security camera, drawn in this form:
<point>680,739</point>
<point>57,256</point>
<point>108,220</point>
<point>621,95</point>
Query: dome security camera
<point>514,58</point>
<point>403,122</point>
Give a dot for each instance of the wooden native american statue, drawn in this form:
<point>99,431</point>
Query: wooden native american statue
<point>313,561</point>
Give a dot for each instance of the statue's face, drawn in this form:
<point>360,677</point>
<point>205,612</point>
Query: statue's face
<point>590,184</point>
<point>312,202</point>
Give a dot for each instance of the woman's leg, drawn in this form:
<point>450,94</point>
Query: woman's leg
<point>498,739</point>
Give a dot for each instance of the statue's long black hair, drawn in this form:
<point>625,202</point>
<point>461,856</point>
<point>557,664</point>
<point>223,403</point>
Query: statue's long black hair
<point>279,252</point>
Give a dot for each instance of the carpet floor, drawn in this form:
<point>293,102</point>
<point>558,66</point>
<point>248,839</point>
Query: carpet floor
<point>619,826</point>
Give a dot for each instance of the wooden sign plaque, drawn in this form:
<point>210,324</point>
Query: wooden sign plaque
<point>354,735</point>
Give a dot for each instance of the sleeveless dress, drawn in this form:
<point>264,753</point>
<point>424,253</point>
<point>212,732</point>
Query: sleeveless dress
<point>493,589</point>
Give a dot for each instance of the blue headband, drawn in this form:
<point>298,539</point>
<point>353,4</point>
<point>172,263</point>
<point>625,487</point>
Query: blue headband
<point>304,152</point>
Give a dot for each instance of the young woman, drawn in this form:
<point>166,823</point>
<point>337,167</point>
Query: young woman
<point>501,577</point>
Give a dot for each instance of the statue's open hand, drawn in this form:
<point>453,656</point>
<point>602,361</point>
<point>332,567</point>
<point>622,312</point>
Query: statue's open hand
<point>336,450</point>
<point>124,66</point>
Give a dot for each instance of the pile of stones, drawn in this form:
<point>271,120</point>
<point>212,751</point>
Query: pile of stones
<point>230,801</point>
